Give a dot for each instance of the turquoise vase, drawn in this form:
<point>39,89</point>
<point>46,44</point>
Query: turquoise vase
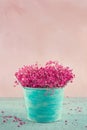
<point>44,104</point>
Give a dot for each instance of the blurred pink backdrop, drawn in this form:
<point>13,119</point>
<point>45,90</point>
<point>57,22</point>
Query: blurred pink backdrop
<point>40,30</point>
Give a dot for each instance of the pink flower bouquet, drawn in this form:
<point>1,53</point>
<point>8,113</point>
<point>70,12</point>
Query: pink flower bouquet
<point>52,75</point>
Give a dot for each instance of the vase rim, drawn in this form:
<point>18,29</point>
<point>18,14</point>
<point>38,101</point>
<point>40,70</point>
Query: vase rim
<point>42,88</point>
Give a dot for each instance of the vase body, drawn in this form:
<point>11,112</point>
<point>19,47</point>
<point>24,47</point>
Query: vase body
<point>44,104</point>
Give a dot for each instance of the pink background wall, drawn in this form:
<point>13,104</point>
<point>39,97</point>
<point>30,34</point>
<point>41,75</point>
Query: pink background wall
<point>40,30</point>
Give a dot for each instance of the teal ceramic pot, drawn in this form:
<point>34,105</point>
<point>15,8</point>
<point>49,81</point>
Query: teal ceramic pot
<point>44,104</point>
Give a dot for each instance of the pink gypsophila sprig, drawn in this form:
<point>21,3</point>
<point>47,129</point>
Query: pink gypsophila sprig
<point>51,75</point>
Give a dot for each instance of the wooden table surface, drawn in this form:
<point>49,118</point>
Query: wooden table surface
<point>13,115</point>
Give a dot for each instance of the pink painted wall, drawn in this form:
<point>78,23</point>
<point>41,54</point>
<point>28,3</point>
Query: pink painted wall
<point>40,30</point>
